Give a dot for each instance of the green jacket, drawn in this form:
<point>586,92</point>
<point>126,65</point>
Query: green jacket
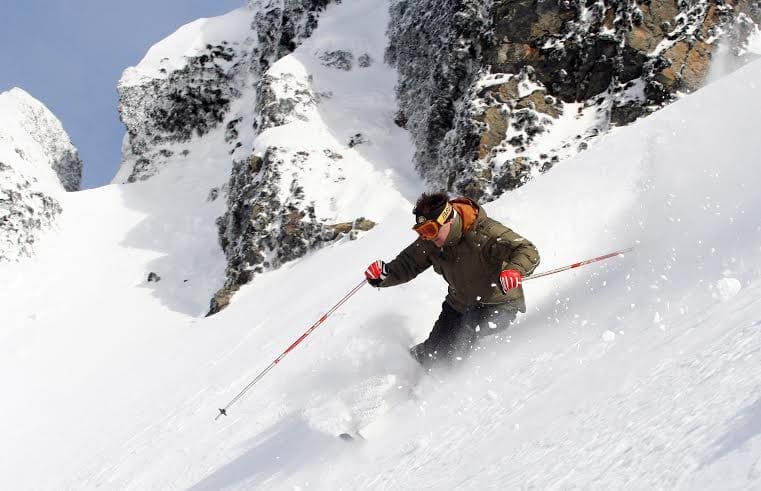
<point>476,251</point>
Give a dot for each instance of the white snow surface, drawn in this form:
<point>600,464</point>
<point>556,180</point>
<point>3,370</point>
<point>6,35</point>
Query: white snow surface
<point>754,42</point>
<point>638,372</point>
<point>190,40</point>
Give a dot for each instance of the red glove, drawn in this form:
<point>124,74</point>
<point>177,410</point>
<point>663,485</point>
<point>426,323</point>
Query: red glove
<point>509,279</point>
<point>376,273</point>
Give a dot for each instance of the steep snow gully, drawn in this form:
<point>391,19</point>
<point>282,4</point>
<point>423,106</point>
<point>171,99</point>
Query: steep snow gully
<point>639,372</point>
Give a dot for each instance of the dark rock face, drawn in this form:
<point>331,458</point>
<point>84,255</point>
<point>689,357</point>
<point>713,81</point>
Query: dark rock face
<point>262,230</point>
<point>436,46</point>
<point>25,212</point>
<point>38,164</point>
<point>188,103</point>
<point>339,59</point>
<point>199,98</point>
<point>479,91</point>
<point>268,221</point>
<point>265,228</point>
<point>575,59</point>
<point>68,167</point>
<point>43,128</point>
<point>281,25</point>
<point>487,89</point>
<point>276,110</point>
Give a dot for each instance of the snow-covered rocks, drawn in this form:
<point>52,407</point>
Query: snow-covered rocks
<point>38,137</point>
<point>206,86</point>
<point>283,98</point>
<point>188,83</point>
<point>25,212</point>
<point>181,90</point>
<point>285,171</point>
<point>490,94</point>
<point>37,163</point>
<point>323,114</point>
<point>600,64</point>
<point>270,219</point>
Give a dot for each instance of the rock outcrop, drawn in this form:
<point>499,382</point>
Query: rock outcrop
<point>222,94</point>
<point>491,92</point>
<point>269,220</point>
<point>515,73</point>
<point>188,102</point>
<point>37,164</point>
<point>53,145</point>
<point>169,101</point>
<point>26,212</point>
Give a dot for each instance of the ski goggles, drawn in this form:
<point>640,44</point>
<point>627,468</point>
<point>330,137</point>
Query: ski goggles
<point>429,229</point>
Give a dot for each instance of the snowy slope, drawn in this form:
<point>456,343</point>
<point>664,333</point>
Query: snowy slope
<point>639,372</point>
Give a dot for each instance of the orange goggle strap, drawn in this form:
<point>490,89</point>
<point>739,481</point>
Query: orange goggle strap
<point>428,229</point>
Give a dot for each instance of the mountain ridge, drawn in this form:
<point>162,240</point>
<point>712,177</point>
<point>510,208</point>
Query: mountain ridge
<point>38,162</point>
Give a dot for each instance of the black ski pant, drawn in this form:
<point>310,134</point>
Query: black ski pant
<point>455,333</point>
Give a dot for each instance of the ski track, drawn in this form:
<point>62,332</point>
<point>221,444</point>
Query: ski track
<point>627,436</point>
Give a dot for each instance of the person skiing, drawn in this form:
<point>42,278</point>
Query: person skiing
<point>483,262</point>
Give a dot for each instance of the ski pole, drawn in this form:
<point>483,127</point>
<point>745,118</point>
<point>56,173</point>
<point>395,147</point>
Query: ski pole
<point>223,411</point>
<point>576,265</point>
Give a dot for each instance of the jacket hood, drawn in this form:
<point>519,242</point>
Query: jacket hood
<point>467,213</point>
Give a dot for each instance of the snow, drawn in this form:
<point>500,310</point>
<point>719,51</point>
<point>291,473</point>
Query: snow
<point>754,42</point>
<point>113,382</point>
<point>38,163</point>
<point>190,40</point>
<point>575,119</point>
<point>29,135</point>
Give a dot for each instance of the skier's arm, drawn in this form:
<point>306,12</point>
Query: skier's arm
<point>514,252</point>
<point>412,261</point>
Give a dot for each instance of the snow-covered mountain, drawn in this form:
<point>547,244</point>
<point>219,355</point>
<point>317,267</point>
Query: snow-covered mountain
<point>490,93</point>
<point>638,372</point>
<point>306,155</point>
<point>496,92</point>
<point>37,164</point>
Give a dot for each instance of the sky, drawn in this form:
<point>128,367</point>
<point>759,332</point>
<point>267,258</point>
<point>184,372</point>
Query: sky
<point>70,54</point>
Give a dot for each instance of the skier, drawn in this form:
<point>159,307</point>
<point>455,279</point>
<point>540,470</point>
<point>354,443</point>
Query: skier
<point>483,262</point>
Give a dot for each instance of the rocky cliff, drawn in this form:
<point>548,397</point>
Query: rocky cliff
<point>37,163</point>
<point>495,91</point>
<point>172,97</point>
<point>491,92</point>
<point>187,96</point>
